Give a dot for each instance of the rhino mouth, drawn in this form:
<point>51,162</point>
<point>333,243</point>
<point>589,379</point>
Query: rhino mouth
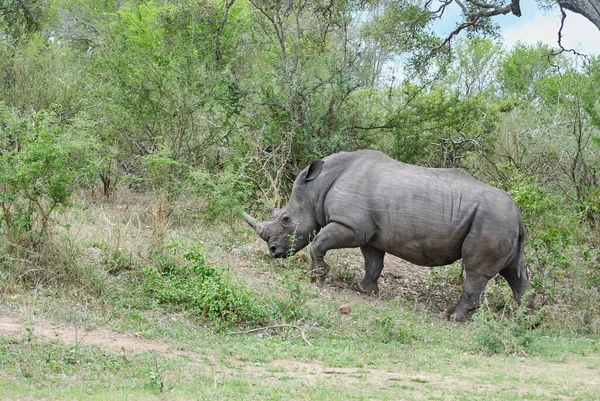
<point>279,251</point>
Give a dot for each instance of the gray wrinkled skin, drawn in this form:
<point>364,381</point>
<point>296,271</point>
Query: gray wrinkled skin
<point>427,216</point>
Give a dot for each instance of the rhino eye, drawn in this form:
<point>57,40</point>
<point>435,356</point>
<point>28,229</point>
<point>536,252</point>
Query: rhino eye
<point>286,220</point>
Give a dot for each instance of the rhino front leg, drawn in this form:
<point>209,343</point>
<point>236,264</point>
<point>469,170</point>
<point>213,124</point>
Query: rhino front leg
<point>373,266</point>
<point>332,236</point>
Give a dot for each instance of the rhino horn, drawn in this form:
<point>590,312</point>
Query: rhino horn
<point>257,226</point>
<point>249,219</point>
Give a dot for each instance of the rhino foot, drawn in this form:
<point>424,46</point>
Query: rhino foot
<point>365,289</point>
<point>318,272</point>
<point>454,316</point>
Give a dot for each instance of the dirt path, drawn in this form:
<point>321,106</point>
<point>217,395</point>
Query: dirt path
<point>12,327</point>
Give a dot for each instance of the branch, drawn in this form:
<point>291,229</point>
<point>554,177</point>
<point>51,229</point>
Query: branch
<point>277,326</point>
<point>560,35</point>
<point>471,18</point>
<point>440,11</point>
<point>277,24</point>
<point>218,55</point>
<point>389,124</point>
<point>590,9</point>
<point>29,15</point>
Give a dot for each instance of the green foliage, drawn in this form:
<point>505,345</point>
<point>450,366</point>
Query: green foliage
<point>415,36</point>
<point>41,163</point>
<point>193,284</point>
<point>222,103</point>
<point>438,127</point>
<point>226,192</point>
<point>163,175</point>
<point>496,335</point>
<point>555,231</point>
<point>40,74</point>
<point>154,65</point>
<point>185,280</point>
<point>526,73</point>
<point>19,18</point>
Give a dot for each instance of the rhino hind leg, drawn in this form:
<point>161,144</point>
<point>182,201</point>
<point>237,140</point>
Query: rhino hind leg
<point>470,299</point>
<point>516,277</point>
<point>486,251</point>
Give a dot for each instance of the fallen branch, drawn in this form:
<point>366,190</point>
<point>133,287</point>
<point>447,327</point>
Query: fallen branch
<point>277,326</point>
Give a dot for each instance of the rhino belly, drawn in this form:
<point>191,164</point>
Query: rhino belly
<point>422,250</point>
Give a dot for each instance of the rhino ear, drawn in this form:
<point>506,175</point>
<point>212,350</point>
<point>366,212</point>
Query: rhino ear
<point>314,170</point>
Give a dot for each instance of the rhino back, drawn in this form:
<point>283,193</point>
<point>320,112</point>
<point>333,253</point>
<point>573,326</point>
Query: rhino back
<point>420,214</point>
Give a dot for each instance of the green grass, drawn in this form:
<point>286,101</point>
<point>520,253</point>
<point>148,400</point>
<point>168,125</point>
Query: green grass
<point>352,357</point>
<point>385,349</point>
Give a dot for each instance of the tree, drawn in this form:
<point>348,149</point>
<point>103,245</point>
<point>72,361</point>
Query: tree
<point>477,13</point>
<point>408,26</point>
<point>20,16</point>
<point>588,8</point>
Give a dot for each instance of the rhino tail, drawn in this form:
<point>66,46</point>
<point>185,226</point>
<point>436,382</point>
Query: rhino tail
<point>522,269</point>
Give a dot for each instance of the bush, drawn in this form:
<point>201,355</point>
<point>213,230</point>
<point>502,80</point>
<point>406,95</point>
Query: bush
<point>193,284</point>
<point>554,232</point>
<point>562,265</point>
<point>41,163</point>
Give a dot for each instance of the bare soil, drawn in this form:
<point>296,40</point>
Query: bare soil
<point>44,331</point>
<point>434,288</point>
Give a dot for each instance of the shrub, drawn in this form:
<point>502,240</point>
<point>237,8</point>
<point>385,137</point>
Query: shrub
<point>193,284</point>
<point>41,163</point>
<point>554,230</point>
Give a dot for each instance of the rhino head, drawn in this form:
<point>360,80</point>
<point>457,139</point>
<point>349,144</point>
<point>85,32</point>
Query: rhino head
<point>284,234</point>
<point>293,226</point>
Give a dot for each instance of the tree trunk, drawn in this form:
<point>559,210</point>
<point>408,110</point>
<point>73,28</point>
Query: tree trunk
<point>590,9</point>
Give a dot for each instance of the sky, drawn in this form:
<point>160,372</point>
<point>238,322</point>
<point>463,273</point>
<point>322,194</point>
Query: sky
<point>536,25</point>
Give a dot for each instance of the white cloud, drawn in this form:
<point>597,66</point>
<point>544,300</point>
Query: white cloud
<point>578,33</point>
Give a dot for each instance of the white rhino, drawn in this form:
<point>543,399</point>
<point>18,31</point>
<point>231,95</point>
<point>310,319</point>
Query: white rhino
<point>427,216</point>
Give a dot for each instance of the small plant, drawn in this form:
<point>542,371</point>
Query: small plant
<point>291,308</point>
<point>155,376</point>
<point>387,330</point>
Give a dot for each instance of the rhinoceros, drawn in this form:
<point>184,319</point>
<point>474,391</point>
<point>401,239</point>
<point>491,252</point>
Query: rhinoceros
<point>427,216</point>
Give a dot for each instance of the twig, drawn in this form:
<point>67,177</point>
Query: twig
<point>277,326</point>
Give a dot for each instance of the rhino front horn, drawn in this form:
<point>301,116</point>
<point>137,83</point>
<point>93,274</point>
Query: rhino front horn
<point>249,219</point>
<point>259,227</point>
